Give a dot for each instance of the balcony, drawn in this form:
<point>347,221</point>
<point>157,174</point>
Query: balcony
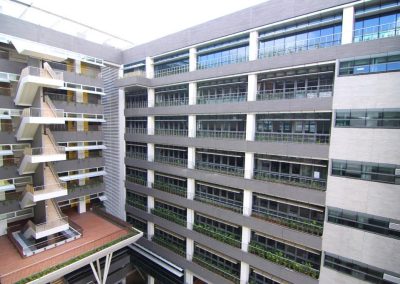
<point>136,179</point>
<point>136,155</point>
<point>162,102</point>
<point>279,258</point>
<point>100,234</point>
<point>171,71</point>
<point>293,137</point>
<point>170,188</point>
<point>171,132</point>
<point>170,160</point>
<point>32,117</point>
<point>223,98</point>
<point>171,246</point>
<point>322,91</point>
<point>169,215</point>
<point>131,130</point>
<point>220,168</point>
<point>32,78</point>
<point>137,203</point>
<point>33,156</point>
<point>220,235</point>
<point>302,181</point>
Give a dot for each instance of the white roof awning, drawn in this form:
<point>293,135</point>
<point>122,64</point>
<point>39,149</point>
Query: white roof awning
<point>38,50</point>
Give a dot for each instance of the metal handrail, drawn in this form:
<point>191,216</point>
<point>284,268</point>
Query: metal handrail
<point>40,112</point>
<point>222,134</point>
<point>48,225</point>
<point>302,45</point>
<point>37,189</point>
<point>137,73</point>
<point>42,150</point>
<point>171,132</point>
<point>220,168</point>
<point>171,160</point>
<point>222,98</point>
<point>172,102</point>
<point>171,71</point>
<point>133,130</point>
<point>293,137</point>
<point>223,60</point>
<point>136,104</point>
<point>321,91</point>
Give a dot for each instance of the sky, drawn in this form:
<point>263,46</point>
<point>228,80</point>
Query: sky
<point>141,21</point>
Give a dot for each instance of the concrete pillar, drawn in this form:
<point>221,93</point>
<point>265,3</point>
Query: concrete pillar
<point>191,157</point>
<point>191,187</point>
<point>252,87</point>
<point>192,126</point>
<point>82,205</point>
<point>150,178</point>
<point>250,126</point>
<point>81,181</point>
<point>150,279</point>
<point>189,218</point>
<point>79,97</point>
<point>248,165</point>
<point>247,202</point>
<point>244,272</point>
<point>120,73</point>
<point>189,249</point>
<point>192,93</point>
<point>151,97</point>
<point>150,152</point>
<point>253,46</point>
<point>150,125</point>
<point>348,25</point>
<point>78,66</point>
<point>188,277</point>
<point>149,68</point>
<point>246,236</point>
<point>192,59</point>
<point>3,224</point>
<point>150,230</point>
<point>150,203</point>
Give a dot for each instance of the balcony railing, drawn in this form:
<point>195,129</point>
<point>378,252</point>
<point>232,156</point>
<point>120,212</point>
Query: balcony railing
<point>88,186</point>
<point>41,72</point>
<point>171,132</point>
<point>48,225</point>
<point>293,137</point>
<point>220,168</point>
<point>279,258</point>
<point>223,271</point>
<point>378,31</point>
<point>169,215</point>
<point>169,245</point>
<point>136,155</point>
<point>137,104</point>
<point>55,150</point>
<point>218,234</point>
<point>137,203</point>
<point>297,223</point>
<point>170,188</point>
<point>130,130</point>
<point>298,46</point>
<point>172,102</point>
<point>46,187</point>
<point>221,134</point>
<point>137,180</point>
<point>180,162</point>
<point>222,98</point>
<point>40,112</point>
<point>220,61</point>
<point>322,91</point>
<point>137,73</point>
<point>235,206</point>
<point>171,71</point>
<point>295,180</point>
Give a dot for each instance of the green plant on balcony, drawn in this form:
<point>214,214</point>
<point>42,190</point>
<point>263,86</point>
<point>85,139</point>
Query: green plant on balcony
<point>218,234</point>
<point>279,258</point>
<point>171,188</point>
<point>136,179</point>
<point>136,203</point>
<point>169,215</point>
<point>219,269</point>
<point>219,204</point>
<point>169,245</point>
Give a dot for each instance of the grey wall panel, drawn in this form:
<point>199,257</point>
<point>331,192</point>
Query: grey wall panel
<point>8,172</point>
<point>300,194</point>
<point>256,16</point>
<point>22,29</point>
<point>7,102</point>
<point>8,138</point>
<point>72,77</point>
<point>308,150</point>
<point>70,165</point>
<point>11,66</point>
<point>64,136</point>
<point>79,107</point>
<point>9,206</point>
<point>83,192</point>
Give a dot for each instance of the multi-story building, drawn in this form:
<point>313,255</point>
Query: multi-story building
<point>52,164</point>
<point>260,147</point>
